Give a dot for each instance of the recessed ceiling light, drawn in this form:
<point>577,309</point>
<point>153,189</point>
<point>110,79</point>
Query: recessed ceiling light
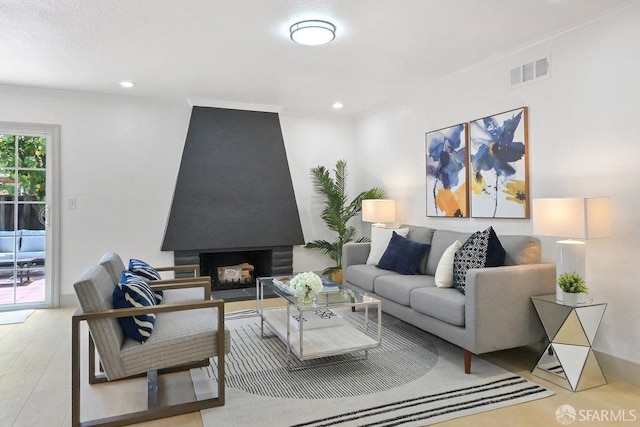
<point>312,32</point>
<point>127,84</point>
<point>337,105</point>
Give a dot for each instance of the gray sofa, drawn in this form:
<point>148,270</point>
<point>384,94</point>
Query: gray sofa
<point>495,313</point>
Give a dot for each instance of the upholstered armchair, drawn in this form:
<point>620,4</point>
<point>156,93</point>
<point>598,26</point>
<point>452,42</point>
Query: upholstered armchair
<point>185,335</point>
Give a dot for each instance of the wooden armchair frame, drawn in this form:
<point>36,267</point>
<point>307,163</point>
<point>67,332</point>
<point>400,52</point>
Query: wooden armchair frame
<point>154,410</point>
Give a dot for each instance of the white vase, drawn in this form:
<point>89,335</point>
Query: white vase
<point>570,298</point>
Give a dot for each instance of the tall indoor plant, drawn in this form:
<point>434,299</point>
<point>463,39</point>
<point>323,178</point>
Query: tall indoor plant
<point>337,212</point>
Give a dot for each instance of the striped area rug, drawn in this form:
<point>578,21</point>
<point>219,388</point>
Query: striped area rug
<point>413,379</point>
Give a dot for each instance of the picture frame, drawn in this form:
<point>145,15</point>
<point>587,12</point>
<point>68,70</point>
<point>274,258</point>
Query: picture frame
<point>446,171</point>
<point>498,165</point>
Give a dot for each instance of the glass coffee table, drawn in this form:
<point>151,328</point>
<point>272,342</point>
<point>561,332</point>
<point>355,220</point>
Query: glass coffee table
<point>317,330</point>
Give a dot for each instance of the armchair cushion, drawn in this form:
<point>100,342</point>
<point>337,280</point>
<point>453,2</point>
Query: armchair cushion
<point>131,291</point>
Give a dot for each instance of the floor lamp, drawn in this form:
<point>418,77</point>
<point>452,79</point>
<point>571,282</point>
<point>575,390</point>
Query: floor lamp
<point>379,211</point>
<point>572,218</point>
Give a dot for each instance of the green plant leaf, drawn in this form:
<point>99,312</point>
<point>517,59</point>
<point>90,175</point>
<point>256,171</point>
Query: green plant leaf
<point>337,211</point>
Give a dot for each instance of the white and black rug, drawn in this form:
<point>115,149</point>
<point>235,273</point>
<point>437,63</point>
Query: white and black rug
<point>413,379</point>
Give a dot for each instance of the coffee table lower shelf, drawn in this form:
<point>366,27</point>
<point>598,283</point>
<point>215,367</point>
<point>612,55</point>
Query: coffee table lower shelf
<point>320,342</point>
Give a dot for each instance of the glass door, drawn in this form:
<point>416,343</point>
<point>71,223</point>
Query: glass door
<point>23,221</point>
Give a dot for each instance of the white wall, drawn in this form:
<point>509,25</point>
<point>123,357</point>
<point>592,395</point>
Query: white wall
<point>583,140</point>
<point>311,142</point>
<point>119,160</point>
<point>120,157</point>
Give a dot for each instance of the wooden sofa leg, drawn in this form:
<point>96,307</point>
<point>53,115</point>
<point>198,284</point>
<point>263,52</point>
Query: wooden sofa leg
<point>467,361</point>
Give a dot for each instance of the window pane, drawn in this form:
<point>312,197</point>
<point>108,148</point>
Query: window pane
<point>7,151</point>
<point>31,152</point>
<point>7,183</point>
<point>6,214</point>
<point>30,216</point>
<point>31,185</point>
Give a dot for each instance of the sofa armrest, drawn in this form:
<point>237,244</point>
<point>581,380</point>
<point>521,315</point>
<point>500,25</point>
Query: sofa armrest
<point>498,307</point>
<point>355,253</point>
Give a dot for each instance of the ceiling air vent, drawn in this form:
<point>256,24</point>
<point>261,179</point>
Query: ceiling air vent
<point>531,71</point>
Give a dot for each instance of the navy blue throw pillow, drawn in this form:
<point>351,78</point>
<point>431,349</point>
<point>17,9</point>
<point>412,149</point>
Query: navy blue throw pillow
<point>402,255</point>
<point>482,249</point>
<point>131,291</point>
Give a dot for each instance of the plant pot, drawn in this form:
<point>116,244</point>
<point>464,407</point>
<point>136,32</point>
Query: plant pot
<point>336,276</point>
<point>570,298</point>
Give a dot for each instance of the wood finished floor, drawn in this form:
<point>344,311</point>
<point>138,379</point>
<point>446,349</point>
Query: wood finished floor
<point>35,384</point>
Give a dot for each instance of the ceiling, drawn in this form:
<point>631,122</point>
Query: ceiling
<point>239,51</point>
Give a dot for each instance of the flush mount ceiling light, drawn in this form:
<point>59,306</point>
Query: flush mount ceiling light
<point>312,32</point>
<point>127,84</point>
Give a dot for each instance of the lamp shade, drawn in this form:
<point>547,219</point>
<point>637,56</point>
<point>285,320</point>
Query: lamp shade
<point>575,218</point>
<point>379,210</point>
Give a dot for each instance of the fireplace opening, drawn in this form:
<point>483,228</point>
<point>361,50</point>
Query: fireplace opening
<point>236,269</point>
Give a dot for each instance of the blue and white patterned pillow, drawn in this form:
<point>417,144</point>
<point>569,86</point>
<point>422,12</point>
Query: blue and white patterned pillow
<point>143,269</point>
<point>482,249</point>
<point>131,291</point>
<point>147,272</point>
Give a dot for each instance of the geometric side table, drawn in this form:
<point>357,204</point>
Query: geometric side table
<point>569,360</point>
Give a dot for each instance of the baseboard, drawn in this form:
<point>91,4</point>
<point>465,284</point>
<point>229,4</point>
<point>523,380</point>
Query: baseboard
<point>619,369</point>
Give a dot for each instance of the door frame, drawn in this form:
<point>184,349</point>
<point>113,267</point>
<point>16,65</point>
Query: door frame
<point>52,203</point>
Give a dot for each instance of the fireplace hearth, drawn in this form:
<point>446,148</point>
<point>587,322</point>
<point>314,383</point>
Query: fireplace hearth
<point>265,262</point>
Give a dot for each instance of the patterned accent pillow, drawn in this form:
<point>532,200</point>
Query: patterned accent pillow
<point>402,255</point>
<point>482,249</point>
<point>132,291</point>
<point>147,272</point>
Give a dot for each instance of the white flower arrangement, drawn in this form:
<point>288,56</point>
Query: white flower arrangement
<point>306,285</point>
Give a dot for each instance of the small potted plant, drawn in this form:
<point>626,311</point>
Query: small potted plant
<point>572,285</point>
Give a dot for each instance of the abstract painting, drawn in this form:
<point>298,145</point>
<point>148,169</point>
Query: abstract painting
<point>498,166</point>
<point>446,152</point>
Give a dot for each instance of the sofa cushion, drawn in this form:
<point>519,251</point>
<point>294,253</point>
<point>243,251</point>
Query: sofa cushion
<point>32,240</point>
<point>421,235</point>
<point>398,288</point>
<point>131,291</point>
<point>446,304</point>
<point>7,241</point>
<point>402,255</point>
<point>444,272</point>
<point>442,239</point>
<point>363,275</point>
<point>482,249</point>
<point>380,238</point>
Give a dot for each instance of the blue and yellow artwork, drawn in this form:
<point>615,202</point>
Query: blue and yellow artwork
<point>498,166</point>
<point>446,152</point>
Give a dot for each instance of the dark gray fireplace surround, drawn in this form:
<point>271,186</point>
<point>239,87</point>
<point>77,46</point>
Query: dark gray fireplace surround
<point>234,196</point>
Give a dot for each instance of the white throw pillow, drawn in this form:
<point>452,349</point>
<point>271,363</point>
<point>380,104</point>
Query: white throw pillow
<point>380,238</point>
<point>444,270</point>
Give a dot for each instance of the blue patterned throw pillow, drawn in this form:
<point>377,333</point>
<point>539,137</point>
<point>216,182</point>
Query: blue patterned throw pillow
<point>402,255</point>
<point>147,272</point>
<point>482,249</point>
<point>131,291</point>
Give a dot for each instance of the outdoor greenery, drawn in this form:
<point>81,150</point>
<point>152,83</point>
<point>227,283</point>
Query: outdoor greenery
<point>29,166</point>
<point>572,283</point>
<point>338,211</point>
